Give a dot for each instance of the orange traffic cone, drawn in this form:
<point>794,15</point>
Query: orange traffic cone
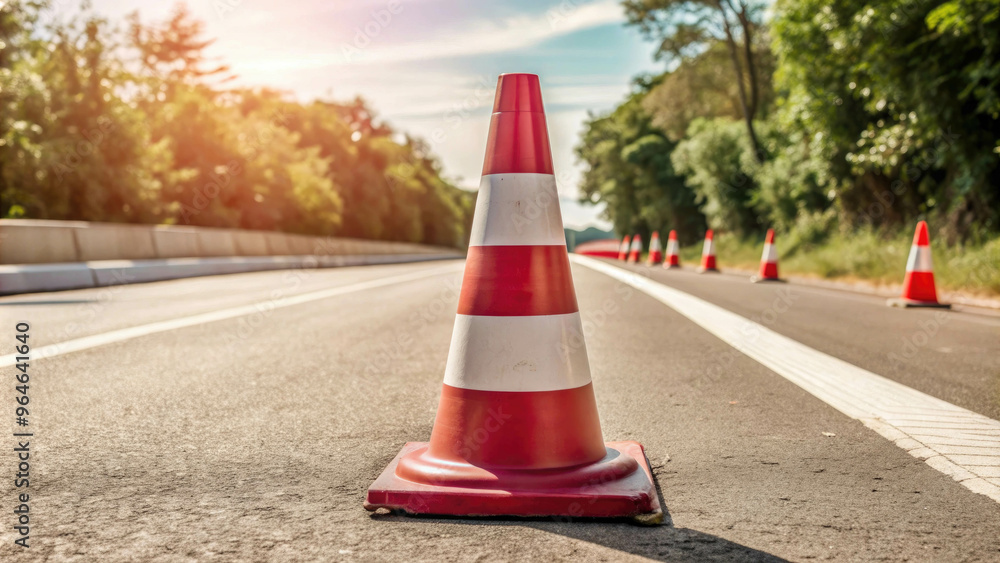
<point>673,260</point>
<point>623,252</point>
<point>636,251</point>
<point>517,430</point>
<point>768,261</point>
<point>655,250</point>
<point>918,285</point>
<point>708,254</point>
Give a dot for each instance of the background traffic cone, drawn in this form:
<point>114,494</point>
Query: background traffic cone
<point>623,253</point>
<point>918,285</point>
<point>768,261</point>
<point>655,250</point>
<point>636,251</point>
<point>517,430</point>
<point>673,260</point>
<point>708,254</point>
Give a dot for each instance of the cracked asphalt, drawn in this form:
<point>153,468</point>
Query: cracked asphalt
<point>255,439</point>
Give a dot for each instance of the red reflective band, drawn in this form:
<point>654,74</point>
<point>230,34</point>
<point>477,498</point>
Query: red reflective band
<point>518,143</point>
<point>518,92</point>
<point>514,281</point>
<point>769,270</point>
<point>919,286</point>
<point>517,430</point>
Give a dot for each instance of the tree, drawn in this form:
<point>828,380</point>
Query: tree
<point>900,100</point>
<point>629,169</point>
<point>687,28</point>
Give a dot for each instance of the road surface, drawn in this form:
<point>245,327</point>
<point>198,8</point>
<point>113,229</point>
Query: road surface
<point>252,429</point>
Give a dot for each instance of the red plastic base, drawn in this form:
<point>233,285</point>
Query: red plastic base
<point>620,485</point>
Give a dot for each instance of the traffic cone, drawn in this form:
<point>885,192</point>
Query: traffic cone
<point>768,261</point>
<point>673,260</point>
<point>636,251</point>
<point>623,252</point>
<point>517,430</point>
<point>655,250</point>
<point>708,254</point>
<point>918,285</point>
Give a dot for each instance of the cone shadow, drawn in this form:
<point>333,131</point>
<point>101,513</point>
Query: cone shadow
<point>661,543</point>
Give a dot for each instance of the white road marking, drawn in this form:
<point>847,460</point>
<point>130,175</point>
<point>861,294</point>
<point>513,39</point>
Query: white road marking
<point>121,335</point>
<point>957,442</point>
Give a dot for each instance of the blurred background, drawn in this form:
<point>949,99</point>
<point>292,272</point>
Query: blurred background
<point>840,124</point>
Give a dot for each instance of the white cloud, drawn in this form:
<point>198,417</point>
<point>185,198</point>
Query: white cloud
<point>474,38</point>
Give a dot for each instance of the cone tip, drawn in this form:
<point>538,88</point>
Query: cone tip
<point>920,237</point>
<point>770,236</point>
<point>709,235</point>
<point>673,234</point>
<point>518,92</point>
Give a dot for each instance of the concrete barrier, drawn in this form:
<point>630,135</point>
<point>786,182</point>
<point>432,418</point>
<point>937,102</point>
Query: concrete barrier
<point>101,241</point>
<point>177,242</point>
<point>250,243</point>
<point>54,255</point>
<point>43,242</point>
<point>217,243</point>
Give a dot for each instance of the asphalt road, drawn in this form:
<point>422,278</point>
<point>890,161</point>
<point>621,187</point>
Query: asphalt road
<point>255,437</point>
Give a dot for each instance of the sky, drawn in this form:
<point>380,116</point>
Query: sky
<point>429,67</point>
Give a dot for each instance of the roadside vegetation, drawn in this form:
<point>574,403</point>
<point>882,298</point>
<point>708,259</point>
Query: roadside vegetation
<point>135,124</point>
<point>838,124</point>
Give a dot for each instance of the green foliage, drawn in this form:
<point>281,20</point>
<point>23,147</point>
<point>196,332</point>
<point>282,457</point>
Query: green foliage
<point>904,96</point>
<point>629,168</point>
<point>883,113</point>
<point>718,163</point>
<point>136,127</point>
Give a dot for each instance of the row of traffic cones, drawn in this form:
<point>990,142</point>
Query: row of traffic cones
<point>631,251</point>
<point>918,285</point>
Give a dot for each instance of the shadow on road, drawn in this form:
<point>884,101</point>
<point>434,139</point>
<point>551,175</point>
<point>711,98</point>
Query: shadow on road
<point>662,543</point>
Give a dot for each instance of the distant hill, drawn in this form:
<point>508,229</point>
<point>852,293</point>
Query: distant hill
<point>574,237</point>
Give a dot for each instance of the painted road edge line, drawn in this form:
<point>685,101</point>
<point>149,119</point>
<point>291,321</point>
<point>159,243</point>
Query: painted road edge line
<point>957,442</point>
<point>129,333</point>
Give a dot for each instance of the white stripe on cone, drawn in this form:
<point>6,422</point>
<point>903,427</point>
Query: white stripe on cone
<point>517,210</point>
<point>671,247</point>
<point>920,259</point>
<point>708,249</point>
<point>538,353</point>
<point>654,245</point>
<point>770,255</point>
<point>637,243</point>
<point>624,246</point>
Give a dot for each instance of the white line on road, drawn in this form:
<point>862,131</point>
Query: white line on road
<point>120,335</point>
<point>955,441</point>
